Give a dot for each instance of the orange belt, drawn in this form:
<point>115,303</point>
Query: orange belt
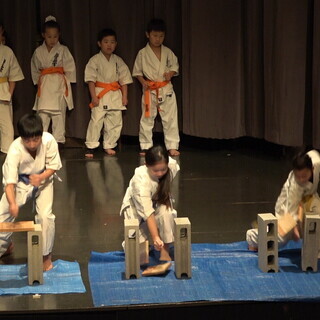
<point>3,79</point>
<point>50,71</point>
<point>152,85</point>
<point>112,86</point>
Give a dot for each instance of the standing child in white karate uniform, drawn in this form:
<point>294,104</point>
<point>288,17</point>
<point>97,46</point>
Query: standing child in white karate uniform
<point>154,67</point>
<point>302,184</point>
<point>28,171</point>
<point>52,70</point>
<point>10,72</point>
<point>107,76</point>
<point>148,199</point>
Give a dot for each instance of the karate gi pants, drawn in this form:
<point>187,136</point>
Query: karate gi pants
<point>44,216</point>
<point>111,121</point>
<point>165,221</point>
<point>6,126</point>
<point>58,123</point>
<point>169,117</point>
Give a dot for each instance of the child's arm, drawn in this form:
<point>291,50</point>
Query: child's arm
<point>124,90</point>
<point>12,85</point>
<point>92,90</point>
<point>36,179</point>
<point>143,82</point>
<point>11,197</point>
<point>153,229</point>
<point>168,75</point>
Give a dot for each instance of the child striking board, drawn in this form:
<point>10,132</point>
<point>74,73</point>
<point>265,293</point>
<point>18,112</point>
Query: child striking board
<point>28,171</point>
<point>154,67</point>
<point>148,199</point>
<point>107,76</point>
<point>52,70</point>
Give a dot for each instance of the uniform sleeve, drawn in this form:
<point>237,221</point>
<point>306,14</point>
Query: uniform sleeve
<point>124,73</point>
<point>53,160</point>
<point>172,63</point>
<point>15,72</point>
<point>35,68</point>
<point>10,168</point>
<point>137,68</point>
<point>174,167</point>
<point>289,198</point>
<point>69,66</point>
<point>90,72</point>
<point>141,196</point>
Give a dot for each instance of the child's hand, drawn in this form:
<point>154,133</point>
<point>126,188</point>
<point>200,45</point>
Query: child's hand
<point>35,180</point>
<point>158,244</point>
<point>95,101</point>
<point>296,234</point>
<point>168,75</point>
<point>14,209</point>
<point>124,101</point>
<point>144,84</point>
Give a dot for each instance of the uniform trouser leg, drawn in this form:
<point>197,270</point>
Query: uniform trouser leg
<point>59,125</point>
<point>94,127</point>
<point>21,198</point>
<point>6,126</point>
<point>46,118</point>
<point>112,128</point>
<point>165,222</point>
<point>169,117</point>
<point>45,217</point>
<point>146,125</point>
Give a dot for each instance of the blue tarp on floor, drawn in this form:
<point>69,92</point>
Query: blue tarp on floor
<point>65,277</point>
<point>220,272</point>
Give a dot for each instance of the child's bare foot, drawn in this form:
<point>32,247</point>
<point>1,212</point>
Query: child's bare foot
<point>164,253</point>
<point>47,262</point>
<point>142,153</point>
<point>9,250</point>
<point>252,248</point>
<point>110,152</point>
<point>174,152</point>
<point>89,153</point>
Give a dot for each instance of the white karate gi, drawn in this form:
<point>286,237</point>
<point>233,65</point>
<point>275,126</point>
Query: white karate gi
<point>9,68</point>
<point>19,161</point>
<point>108,112</point>
<point>52,103</point>
<point>290,198</point>
<point>138,203</point>
<point>148,65</point>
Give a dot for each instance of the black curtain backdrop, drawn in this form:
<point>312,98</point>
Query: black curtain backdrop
<point>247,67</point>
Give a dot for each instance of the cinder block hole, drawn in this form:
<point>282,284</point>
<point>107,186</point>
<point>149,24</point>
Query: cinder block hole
<point>184,276</point>
<point>131,233</point>
<point>270,229</point>
<point>312,227</point>
<point>271,259</point>
<point>133,276</point>
<point>270,245</point>
<point>35,240</point>
<point>309,269</point>
<point>271,271</point>
<point>183,232</point>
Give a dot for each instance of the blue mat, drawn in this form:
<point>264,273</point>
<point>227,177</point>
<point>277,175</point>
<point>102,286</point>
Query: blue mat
<point>220,272</point>
<point>65,277</point>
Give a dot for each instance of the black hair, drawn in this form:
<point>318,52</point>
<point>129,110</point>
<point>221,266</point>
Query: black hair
<point>50,24</point>
<point>30,125</point>
<point>302,161</point>
<point>153,156</point>
<point>156,25</point>
<point>105,33</point>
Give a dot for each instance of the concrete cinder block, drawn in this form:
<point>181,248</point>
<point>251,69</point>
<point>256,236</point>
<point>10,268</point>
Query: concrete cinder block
<point>310,247</point>
<point>182,247</point>
<point>132,248</point>
<point>35,259</point>
<point>268,242</point>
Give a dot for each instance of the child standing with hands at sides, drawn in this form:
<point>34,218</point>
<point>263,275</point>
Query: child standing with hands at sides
<point>107,76</point>
<point>28,171</point>
<point>148,199</point>
<point>52,70</point>
<point>154,67</point>
<point>10,72</point>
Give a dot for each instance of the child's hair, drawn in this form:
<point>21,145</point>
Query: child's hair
<point>301,161</point>
<point>105,33</point>
<point>50,22</point>
<point>30,125</point>
<point>156,25</point>
<point>153,156</point>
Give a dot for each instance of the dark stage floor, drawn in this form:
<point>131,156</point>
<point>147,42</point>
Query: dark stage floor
<point>221,187</point>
